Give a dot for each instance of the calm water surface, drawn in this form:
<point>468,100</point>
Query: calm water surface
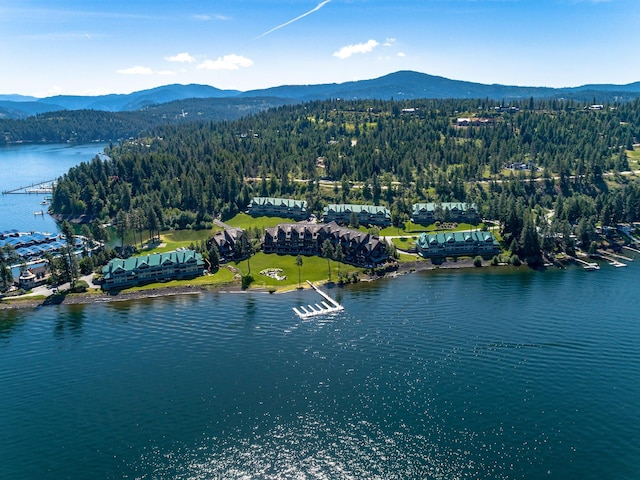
<point>507,374</point>
<point>518,375</point>
<point>22,165</point>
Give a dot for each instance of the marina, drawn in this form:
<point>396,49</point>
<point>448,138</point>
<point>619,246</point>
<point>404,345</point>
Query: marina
<point>325,307</point>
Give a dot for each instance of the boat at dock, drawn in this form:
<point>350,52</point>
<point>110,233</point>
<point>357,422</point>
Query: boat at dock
<point>323,308</point>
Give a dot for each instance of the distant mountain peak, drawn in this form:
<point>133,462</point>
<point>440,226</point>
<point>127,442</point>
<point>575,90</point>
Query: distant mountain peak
<point>403,84</point>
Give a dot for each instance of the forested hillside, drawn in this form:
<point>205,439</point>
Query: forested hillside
<point>83,126</point>
<point>564,156</point>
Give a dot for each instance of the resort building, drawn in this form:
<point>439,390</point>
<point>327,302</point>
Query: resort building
<point>427,213</point>
<point>367,214</point>
<point>157,267</point>
<point>358,248</point>
<point>457,244</point>
<point>278,207</point>
<point>226,241</point>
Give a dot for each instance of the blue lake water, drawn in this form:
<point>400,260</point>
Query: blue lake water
<point>476,374</point>
<point>22,165</point>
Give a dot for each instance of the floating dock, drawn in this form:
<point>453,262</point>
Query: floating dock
<point>328,306</point>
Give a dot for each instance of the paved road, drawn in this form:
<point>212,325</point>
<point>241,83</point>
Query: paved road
<point>46,290</point>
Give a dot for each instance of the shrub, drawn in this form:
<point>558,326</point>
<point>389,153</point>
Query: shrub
<point>247,280</point>
<point>477,262</point>
<point>80,287</point>
<point>515,260</point>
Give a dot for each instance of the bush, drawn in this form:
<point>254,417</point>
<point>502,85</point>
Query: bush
<point>247,280</point>
<point>477,262</point>
<point>80,287</point>
<point>515,260</point>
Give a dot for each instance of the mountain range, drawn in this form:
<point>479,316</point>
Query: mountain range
<point>403,85</point>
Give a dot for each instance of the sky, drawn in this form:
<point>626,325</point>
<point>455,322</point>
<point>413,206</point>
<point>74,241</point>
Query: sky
<point>89,47</point>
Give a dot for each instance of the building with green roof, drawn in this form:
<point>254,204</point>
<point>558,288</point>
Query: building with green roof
<point>367,214</point>
<point>278,207</point>
<point>156,267</point>
<point>457,244</point>
<point>428,213</point>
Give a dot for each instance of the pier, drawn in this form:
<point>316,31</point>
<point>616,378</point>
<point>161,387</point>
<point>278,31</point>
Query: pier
<point>42,188</point>
<point>587,265</point>
<point>327,306</point>
<point>610,258</point>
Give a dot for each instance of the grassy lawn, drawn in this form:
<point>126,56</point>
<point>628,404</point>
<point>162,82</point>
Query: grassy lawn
<point>242,220</point>
<point>412,228</point>
<point>404,243</point>
<point>221,277</point>
<point>313,269</point>
<point>170,240</point>
<point>634,159</point>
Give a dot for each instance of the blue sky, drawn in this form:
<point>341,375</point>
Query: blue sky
<point>90,47</point>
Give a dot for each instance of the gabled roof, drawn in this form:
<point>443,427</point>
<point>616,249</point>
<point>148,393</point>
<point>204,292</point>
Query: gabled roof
<point>279,202</point>
<point>452,206</point>
<point>119,265</point>
<point>350,207</point>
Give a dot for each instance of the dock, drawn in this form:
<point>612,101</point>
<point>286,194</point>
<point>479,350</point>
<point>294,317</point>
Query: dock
<point>323,308</point>
<point>590,266</point>
<point>38,188</point>
<point>610,258</point>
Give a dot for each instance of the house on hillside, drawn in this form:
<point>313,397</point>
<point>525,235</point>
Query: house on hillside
<point>156,267</point>
<point>358,248</point>
<point>367,214</point>
<point>428,213</point>
<point>278,207</point>
<point>457,244</point>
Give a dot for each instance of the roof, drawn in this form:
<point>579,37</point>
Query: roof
<point>431,206</point>
<point>434,239</point>
<point>151,260</point>
<point>279,202</point>
<point>349,207</point>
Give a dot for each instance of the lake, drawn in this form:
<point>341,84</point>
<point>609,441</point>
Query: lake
<point>22,165</point>
<point>492,373</point>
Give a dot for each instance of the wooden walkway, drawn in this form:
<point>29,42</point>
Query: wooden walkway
<point>329,306</point>
<point>45,187</point>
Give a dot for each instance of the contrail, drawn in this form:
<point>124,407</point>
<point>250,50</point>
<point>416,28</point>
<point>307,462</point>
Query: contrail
<point>318,7</point>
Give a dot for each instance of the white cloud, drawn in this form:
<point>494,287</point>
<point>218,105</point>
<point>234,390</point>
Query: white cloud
<point>317,7</point>
<point>347,51</point>
<point>390,42</point>
<point>228,62</point>
<point>402,54</point>
<point>183,57</point>
<point>137,70</point>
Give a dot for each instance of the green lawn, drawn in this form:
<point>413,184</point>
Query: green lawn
<point>313,269</point>
<point>242,220</point>
<point>221,277</point>
<point>170,240</point>
<point>404,243</point>
<point>412,228</point>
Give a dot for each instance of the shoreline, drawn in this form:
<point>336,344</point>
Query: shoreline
<point>88,298</point>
